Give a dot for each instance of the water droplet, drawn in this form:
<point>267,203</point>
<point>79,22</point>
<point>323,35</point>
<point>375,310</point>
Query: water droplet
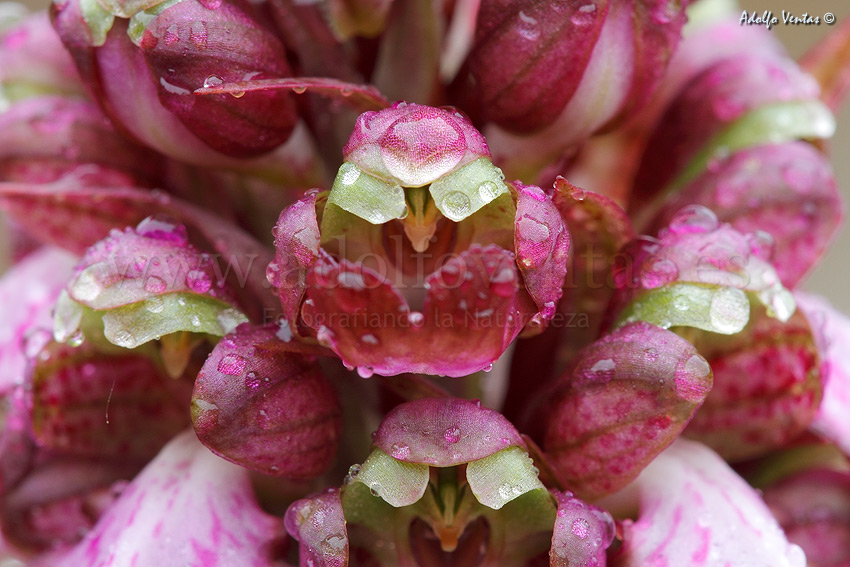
<point>348,173</point>
<point>212,81</point>
<point>581,528</point>
<point>160,229</point>
<point>585,15</point>
<point>76,339</point>
<point>488,368</point>
<point>505,491</point>
<point>651,354</point>
<point>729,310</point>
<point>124,338</point>
<point>154,304</point>
<point>488,191</point>
<point>284,333</point>
<point>370,339</point>
<point>400,451</point>
<point>693,218</point>
<point>325,336</point>
<point>577,193</point>
<point>252,382</point>
<point>237,94</point>
<point>334,543</point>
<point>532,229</point>
<point>155,284</point>
<point>416,318</point>
<point>528,27</point>
<point>198,281</point>
<point>365,371</point>
<point>375,489</point>
<point>660,272</point>
<point>354,470</point>
<point>273,274</point>
<point>762,244</point>
<point>232,365</point>
<point>452,435</point>
<point>299,90</point>
<point>345,91</point>
<point>456,205</point>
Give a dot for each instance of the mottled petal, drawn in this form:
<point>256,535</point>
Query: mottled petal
<point>266,409</point>
<point>542,247</point>
<point>812,508</point>
<point>778,400</point>
<point>473,307</point>
<point>833,331</point>
<point>297,246</point>
<point>103,405</point>
<point>787,190</point>
<point>626,398</point>
<point>694,510</point>
<point>318,524</point>
<point>188,507</point>
<point>445,432</point>
<point>413,145</point>
<point>582,533</point>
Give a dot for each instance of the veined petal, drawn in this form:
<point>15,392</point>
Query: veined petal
<point>264,408</point>
<point>582,533</point>
<point>626,398</point>
<point>188,507</point>
<point>318,524</point>
<point>694,510</point>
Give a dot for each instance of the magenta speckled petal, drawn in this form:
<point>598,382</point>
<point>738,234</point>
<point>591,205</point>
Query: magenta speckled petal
<point>297,246</point>
<point>707,105</point>
<point>582,533</point>
<point>626,398</point>
<point>787,190</point>
<point>104,405</point>
<point>445,432</point>
<point>188,507</point>
<point>266,409</point>
<point>778,400</point>
<point>151,260</point>
<point>833,330</point>
<point>694,510</point>
<point>474,309</point>
<point>542,247</point>
<point>413,145</point>
<point>318,524</point>
<point>811,507</point>
<point>28,292</point>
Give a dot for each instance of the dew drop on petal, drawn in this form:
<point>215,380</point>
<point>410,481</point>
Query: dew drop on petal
<point>761,243</point>
<point>124,338</point>
<point>212,81</point>
<point>400,451</point>
<point>154,304</point>
<point>532,229</point>
<point>198,281</point>
<point>488,191</point>
<point>154,284</point>
<point>232,365</point>
<point>456,205</point>
<point>365,371</point>
<point>581,528</point>
<point>693,218</point>
<point>416,318</point>
<point>452,435</point>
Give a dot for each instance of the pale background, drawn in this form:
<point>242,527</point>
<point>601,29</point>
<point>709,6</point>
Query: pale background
<point>832,277</point>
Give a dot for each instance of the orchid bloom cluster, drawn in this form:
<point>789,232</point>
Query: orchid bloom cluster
<point>418,283</point>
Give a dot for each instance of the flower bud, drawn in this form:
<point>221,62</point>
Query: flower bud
<point>144,73</point>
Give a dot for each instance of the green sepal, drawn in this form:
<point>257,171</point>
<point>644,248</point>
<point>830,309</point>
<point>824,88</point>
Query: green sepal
<point>367,196</point>
<point>464,191</point>
<point>502,477</point>
<point>398,483</point>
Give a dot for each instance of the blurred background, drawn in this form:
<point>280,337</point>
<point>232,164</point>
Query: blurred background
<point>832,277</point>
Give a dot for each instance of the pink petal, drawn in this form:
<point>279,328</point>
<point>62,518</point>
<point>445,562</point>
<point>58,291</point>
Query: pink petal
<point>625,399</point>
<point>444,432</point>
<point>318,524</point>
<point>188,507</point>
<point>266,409</point>
<point>833,331</point>
<point>582,533</point>
<point>694,510</point>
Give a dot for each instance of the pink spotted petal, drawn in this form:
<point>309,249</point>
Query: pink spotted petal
<point>778,400</point>
<point>694,510</point>
<point>444,432</point>
<point>811,507</point>
<point>626,398</point>
<point>833,330</point>
<point>318,524</point>
<point>84,402</point>
<point>413,145</point>
<point>474,308</point>
<point>787,190</point>
<point>582,533</point>
<point>542,247</point>
<point>188,507</point>
<point>266,409</point>
<point>297,246</point>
